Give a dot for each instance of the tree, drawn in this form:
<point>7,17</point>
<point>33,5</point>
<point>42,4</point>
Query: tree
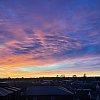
<point>74,76</point>
<point>62,76</point>
<point>84,75</point>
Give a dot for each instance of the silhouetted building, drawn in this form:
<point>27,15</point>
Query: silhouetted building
<point>16,92</point>
<point>5,94</point>
<point>83,94</point>
<point>9,93</point>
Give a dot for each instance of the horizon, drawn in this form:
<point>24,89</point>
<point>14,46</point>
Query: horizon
<point>50,77</point>
<point>49,37</point>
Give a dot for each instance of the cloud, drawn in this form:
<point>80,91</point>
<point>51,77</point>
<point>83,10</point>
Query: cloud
<point>35,33</point>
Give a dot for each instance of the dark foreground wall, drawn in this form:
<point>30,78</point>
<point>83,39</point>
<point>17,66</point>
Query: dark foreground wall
<point>57,97</point>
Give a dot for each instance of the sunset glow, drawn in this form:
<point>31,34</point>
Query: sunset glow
<point>49,37</point>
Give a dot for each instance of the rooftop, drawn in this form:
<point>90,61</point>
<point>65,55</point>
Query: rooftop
<point>4,92</point>
<point>47,90</point>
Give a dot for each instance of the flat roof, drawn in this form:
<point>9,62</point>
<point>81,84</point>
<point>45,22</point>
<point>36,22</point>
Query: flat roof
<point>47,90</point>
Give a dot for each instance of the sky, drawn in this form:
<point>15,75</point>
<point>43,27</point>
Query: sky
<point>44,38</point>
